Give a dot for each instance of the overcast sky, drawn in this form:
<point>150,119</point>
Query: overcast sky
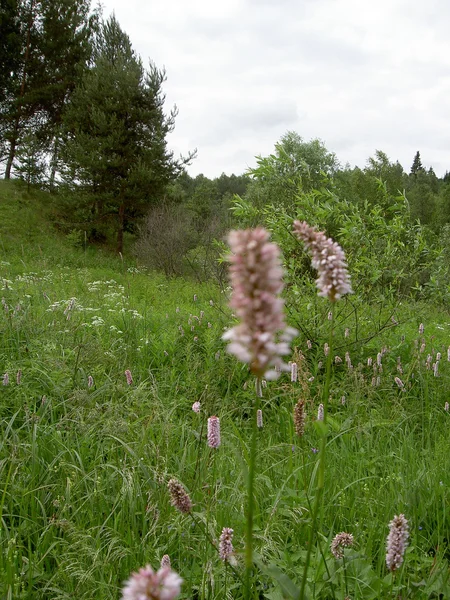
<point>359,75</point>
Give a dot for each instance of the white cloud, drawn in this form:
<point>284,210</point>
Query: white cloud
<point>361,76</point>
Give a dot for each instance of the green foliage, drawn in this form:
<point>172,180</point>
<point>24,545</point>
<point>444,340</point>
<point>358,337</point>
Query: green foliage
<point>295,165</point>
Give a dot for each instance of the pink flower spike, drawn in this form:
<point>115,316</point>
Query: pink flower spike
<point>213,432</point>
<point>225,544</point>
<point>196,407</point>
<point>259,418</point>
<point>328,258</point>
<point>165,584</point>
<point>261,337</point>
<point>397,541</point>
<point>129,377</point>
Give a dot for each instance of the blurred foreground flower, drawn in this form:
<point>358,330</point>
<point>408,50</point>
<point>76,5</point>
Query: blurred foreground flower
<point>328,258</point>
<point>261,337</point>
<point>397,541</point>
<point>165,584</point>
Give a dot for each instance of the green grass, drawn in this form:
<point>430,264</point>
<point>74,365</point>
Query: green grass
<point>84,470</point>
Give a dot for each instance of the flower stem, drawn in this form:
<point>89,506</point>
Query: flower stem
<point>250,497</point>
<point>321,473</point>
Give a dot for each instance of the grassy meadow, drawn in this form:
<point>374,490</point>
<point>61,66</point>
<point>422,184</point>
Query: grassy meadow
<point>84,463</point>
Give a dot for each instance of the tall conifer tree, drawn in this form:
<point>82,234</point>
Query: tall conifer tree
<point>116,150</point>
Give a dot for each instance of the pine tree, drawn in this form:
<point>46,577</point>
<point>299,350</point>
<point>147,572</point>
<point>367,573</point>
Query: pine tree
<point>417,164</point>
<point>51,41</point>
<point>116,129</point>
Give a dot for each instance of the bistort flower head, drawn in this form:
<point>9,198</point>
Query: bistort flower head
<point>179,497</point>
<point>165,561</point>
<point>397,541</point>
<point>340,541</point>
<point>225,543</point>
<point>259,418</point>
<point>328,258</point>
<point>129,377</point>
<point>165,584</point>
<point>213,432</point>
<point>320,412</point>
<point>299,418</point>
<point>261,337</point>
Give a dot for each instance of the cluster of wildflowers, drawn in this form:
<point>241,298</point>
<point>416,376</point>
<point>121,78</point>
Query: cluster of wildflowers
<point>262,337</point>
<point>328,258</point>
<point>397,541</point>
<point>147,584</point>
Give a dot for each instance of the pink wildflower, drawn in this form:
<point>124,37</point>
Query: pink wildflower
<point>261,337</point>
<point>129,377</point>
<point>320,413</point>
<point>213,432</point>
<point>399,382</point>
<point>446,407</point>
<point>19,376</point>
<point>165,584</point>
<point>6,379</point>
<point>165,561</point>
<point>294,371</point>
<point>299,418</point>
<point>397,541</point>
<point>179,497</point>
<point>225,543</point>
<point>90,381</point>
<point>196,407</point>
<point>328,258</point>
<point>340,541</point>
<point>421,329</point>
<point>259,418</point>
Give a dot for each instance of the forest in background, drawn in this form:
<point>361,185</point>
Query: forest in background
<point>82,117</point>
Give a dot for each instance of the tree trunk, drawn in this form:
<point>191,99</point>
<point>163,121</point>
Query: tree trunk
<point>54,163</point>
<point>120,227</point>
<point>12,147</point>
